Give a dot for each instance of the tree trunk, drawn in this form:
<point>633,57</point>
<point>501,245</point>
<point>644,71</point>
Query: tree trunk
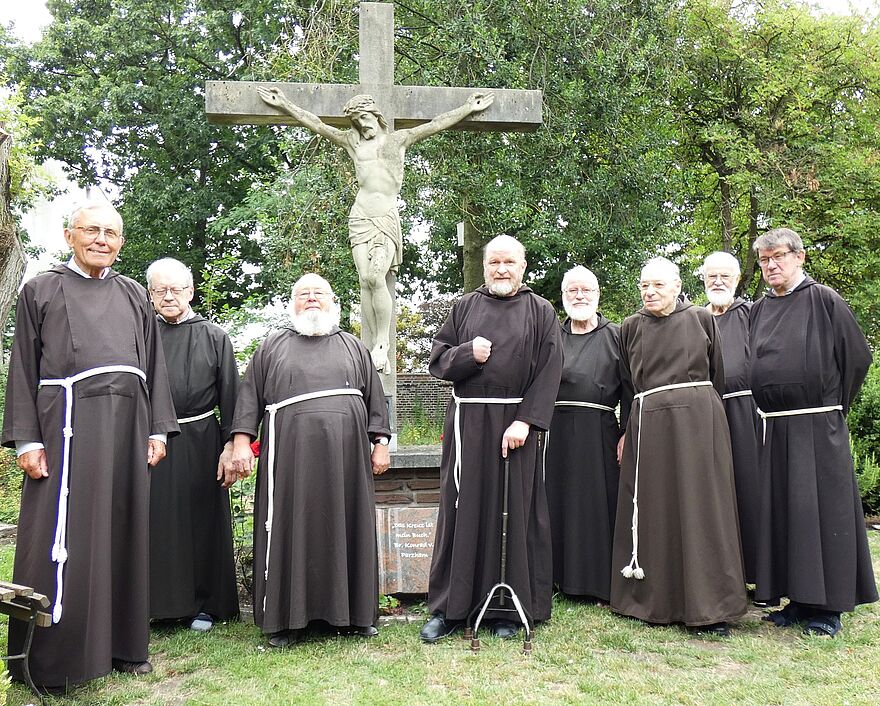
<point>12,256</point>
<point>472,251</point>
<point>750,260</point>
<point>726,217</point>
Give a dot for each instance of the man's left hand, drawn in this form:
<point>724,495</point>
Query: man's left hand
<point>225,467</point>
<point>155,451</point>
<point>514,436</point>
<point>380,459</point>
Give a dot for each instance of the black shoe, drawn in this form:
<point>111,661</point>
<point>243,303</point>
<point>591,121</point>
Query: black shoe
<point>139,669</point>
<point>505,629</point>
<point>715,629</point>
<point>438,627</point>
<point>360,630</point>
<point>285,638</point>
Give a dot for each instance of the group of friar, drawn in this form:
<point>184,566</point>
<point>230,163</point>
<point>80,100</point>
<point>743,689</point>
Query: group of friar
<point>659,467</point>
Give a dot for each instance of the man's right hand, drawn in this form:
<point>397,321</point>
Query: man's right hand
<point>34,464</point>
<point>482,349</point>
<point>243,460</point>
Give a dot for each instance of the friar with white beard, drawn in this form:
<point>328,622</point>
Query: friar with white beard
<point>720,273</point>
<point>583,473</point>
<point>320,401</point>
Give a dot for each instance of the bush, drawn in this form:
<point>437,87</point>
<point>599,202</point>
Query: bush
<point>10,475</point>
<point>864,428</point>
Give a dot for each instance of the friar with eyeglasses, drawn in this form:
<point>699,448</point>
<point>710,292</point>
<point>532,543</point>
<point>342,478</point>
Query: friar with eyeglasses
<point>720,273</point>
<point>808,360</point>
<point>319,399</point>
<point>676,550</point>
<point>192,567</point>
<point>88,408</point>
<point>583,473</point>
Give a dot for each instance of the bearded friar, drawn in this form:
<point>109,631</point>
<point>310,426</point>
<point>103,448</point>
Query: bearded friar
<point>721,274</point>
<point>582,470</point>
<point>676,553</point>
<point>500,347</point>
<point>319,399</point>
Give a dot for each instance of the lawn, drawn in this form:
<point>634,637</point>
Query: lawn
<point>584,655</point>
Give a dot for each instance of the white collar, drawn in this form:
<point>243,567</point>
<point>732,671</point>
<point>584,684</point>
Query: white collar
<point>71,264</point>
<point>186,317</point>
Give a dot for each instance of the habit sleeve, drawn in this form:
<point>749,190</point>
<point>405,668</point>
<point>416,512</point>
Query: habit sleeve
<point>851,350</point>
<point>20,420</point>
<point>716,361</point>
<point>450,359</point>
<point>162,415</point>
<point>227,385</point>
<point>539,398</point>
<point>251,402</point>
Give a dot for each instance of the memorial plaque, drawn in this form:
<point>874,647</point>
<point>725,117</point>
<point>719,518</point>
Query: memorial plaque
<point>405,537</point>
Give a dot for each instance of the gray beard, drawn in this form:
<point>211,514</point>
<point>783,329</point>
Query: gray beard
<point>720,300</point>
<point>315,323</point>
<point>502,289</point>
<point>577,314</point>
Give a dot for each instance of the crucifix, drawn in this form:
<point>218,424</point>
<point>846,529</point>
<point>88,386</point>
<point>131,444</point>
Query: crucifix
<point>382,120</point>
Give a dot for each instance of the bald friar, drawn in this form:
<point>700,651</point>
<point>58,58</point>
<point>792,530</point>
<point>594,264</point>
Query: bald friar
<point>582,470</point>
<point>676,543</point>
<point>320,402</point>
<point>500,347</point>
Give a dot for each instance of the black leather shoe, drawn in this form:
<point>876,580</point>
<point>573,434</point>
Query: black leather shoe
<point>360,630</point>
<point>438,627</point>
<point>715,629</point>
<point>504,629</point>
<point>139,669</point>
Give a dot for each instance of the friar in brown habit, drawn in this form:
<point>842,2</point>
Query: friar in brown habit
<point>500,346</point>
<point>808,360</point>
<point>320,401</point>
<point>676,541</point>
<point>88,408</point>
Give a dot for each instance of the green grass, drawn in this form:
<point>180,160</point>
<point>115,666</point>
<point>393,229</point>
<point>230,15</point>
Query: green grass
<point>584,655</point>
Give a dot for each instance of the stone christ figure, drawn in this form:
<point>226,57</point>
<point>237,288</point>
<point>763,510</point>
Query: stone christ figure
<point>374,223</point>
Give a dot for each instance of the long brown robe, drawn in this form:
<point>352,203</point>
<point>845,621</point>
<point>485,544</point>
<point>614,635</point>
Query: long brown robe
<point>192,568</point>
<point>688,540</point>
<point>526,361</point>
<point>808,351</point>
<point>582,474</point>
<point>324,561</point>
<point>743,422</point>
<point>65,324</point>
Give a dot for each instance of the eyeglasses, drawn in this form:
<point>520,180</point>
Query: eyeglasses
<point>586,291</point>
<point>94,231</point>
<point>162,291</point>
<point>645,286</point>
<point>712,278</point>
<point>777,258</point>
<point>305,294</point>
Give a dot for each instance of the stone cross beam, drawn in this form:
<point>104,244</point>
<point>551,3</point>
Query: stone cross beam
<point>237,102</point>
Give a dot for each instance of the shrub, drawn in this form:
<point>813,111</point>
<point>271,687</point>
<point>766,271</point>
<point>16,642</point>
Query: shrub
<point>864,428</point>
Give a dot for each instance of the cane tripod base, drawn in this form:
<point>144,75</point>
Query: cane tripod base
<point>503,591</point>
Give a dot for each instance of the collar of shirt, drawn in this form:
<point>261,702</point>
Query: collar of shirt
<point>71,264</point>
<point>186,317</point>
<point>793,287</point>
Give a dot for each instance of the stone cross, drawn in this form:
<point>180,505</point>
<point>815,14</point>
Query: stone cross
<point>238,103</point>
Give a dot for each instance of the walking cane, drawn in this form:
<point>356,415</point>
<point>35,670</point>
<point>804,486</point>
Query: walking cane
<point>470,633</point>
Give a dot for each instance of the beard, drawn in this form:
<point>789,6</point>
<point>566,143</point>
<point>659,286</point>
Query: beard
<point>315,323</point>
<point>579,313</point>
<point>504,288</point>
<point>720,299</point>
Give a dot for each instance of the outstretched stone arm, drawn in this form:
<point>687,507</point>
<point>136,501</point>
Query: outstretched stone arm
<point>275,98</point>
<point>476,103</point>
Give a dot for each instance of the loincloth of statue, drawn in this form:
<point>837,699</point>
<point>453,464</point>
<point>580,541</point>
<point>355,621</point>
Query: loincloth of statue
<point>375,232</point>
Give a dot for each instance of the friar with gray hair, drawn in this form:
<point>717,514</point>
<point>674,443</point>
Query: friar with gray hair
<point>582,473</point>
<point>374,222</point>
<point>721,274</point>
<point>88,408</point>
<point>320,402</point>
<point>808,360</point>
<point>192,567</point>
<point>676,542</point>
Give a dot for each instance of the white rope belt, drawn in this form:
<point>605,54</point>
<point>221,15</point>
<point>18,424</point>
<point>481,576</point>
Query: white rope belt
<point>570,403</point>
<point>633,570</point>
<point>738,393</point>
<point>459,401</point>
<point>197,418</point>
<point>794,412</point>
<point>272,409</point>
<point>59,546</point>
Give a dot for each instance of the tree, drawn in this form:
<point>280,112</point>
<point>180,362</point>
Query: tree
<point>778,119</point>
